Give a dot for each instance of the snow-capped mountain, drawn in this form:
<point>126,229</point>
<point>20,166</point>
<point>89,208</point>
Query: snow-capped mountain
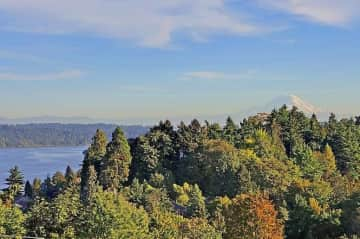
<point>278,102</point>
<point>290,101</point>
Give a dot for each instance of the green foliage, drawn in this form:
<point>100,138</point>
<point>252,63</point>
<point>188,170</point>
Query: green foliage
<point>310,214</point>
<point>190,197</point>
<point>351,214</point>
<point>55,219</point>
<point>90,186</point>
<point>109,215</point>
<point>116,163</point>
<point>15,184</point>
<point>310,166</point>
<point>29,190</point>
<point>92,161</point>
<point>36,187</point>
<point>198,228</point>
<point>146,159</point>
<point>343,137</point>
<point>55,185</point>
<point>11,221</point>
<point>216,209</point>
<point>273,176</point>
<point>148,197</point>
<point>230,131</point>
<point>165,225</point>
<point>213,167</point>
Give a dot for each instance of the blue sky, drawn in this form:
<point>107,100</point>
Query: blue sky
<point>140,59</point>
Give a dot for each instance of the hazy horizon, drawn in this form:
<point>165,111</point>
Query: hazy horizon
<point>289,100</point>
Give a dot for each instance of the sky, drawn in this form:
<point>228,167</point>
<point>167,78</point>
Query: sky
<point>156,59</point>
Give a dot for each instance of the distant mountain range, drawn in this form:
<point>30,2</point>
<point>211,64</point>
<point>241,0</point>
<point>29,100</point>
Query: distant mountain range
<point>52,119</point>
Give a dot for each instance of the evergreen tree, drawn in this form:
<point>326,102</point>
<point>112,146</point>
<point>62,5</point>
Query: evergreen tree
<point>116,163</point>
<point>15,183</point>
<point>190,197</point>
<point>93,157</point>
<point>311,167</point>
<point>230,131</point>
<point>96,151</point>
<point>145,159</point>
<point>70,176</point>
<point>36,187</point>
<point>28,190</point>
<point>214,131</point>
<point>89,187</point>
<point>314,134</point>
<point>48,190</point>
<point>197,207</point>
<point>344,138</point>
<point>351,214</point>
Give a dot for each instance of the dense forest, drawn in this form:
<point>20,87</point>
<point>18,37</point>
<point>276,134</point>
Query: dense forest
<point>277,175</point>
<point>41,135</point>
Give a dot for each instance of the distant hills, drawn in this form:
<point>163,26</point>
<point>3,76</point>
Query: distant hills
<point>52,119</point>
<point>71,131</point>
<point>55,134</point>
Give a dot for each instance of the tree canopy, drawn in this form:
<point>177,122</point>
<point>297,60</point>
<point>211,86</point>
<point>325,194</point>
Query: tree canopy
<point>276,175</point>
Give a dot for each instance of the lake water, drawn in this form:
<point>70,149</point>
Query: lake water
<point>39,162</point>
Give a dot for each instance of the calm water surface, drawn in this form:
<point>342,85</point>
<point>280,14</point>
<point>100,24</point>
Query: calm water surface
<point>39,162</point>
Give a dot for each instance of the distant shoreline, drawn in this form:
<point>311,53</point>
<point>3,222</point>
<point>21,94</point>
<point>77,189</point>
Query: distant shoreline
<point>59,135</point>
<point>43,146</point>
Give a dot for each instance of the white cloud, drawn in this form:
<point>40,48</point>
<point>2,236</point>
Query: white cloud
<point>214,75</point>
<point>63,75</point>
<point>330,12</point>
<point>146,22</point>
<point>9,55</point>
<point>154,23</point>
<point>247,76</point>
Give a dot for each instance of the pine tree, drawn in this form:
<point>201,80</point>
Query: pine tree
<point>47,188</point>
<point>116,163</point>
<point>230,130</point>
<point>96,152</point>
<point>93,158</point>
<point>70,176</point>
<point>197,207</point>
<point>36,187</point>
<point>314,134</point>
<point>15,183</point>
<point>89,187</point>
<point>28,190</point>
<point>190,197</point>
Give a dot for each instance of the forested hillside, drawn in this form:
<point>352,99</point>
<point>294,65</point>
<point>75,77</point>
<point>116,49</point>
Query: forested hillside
<point>277,175</point>
<point>35,135</point>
